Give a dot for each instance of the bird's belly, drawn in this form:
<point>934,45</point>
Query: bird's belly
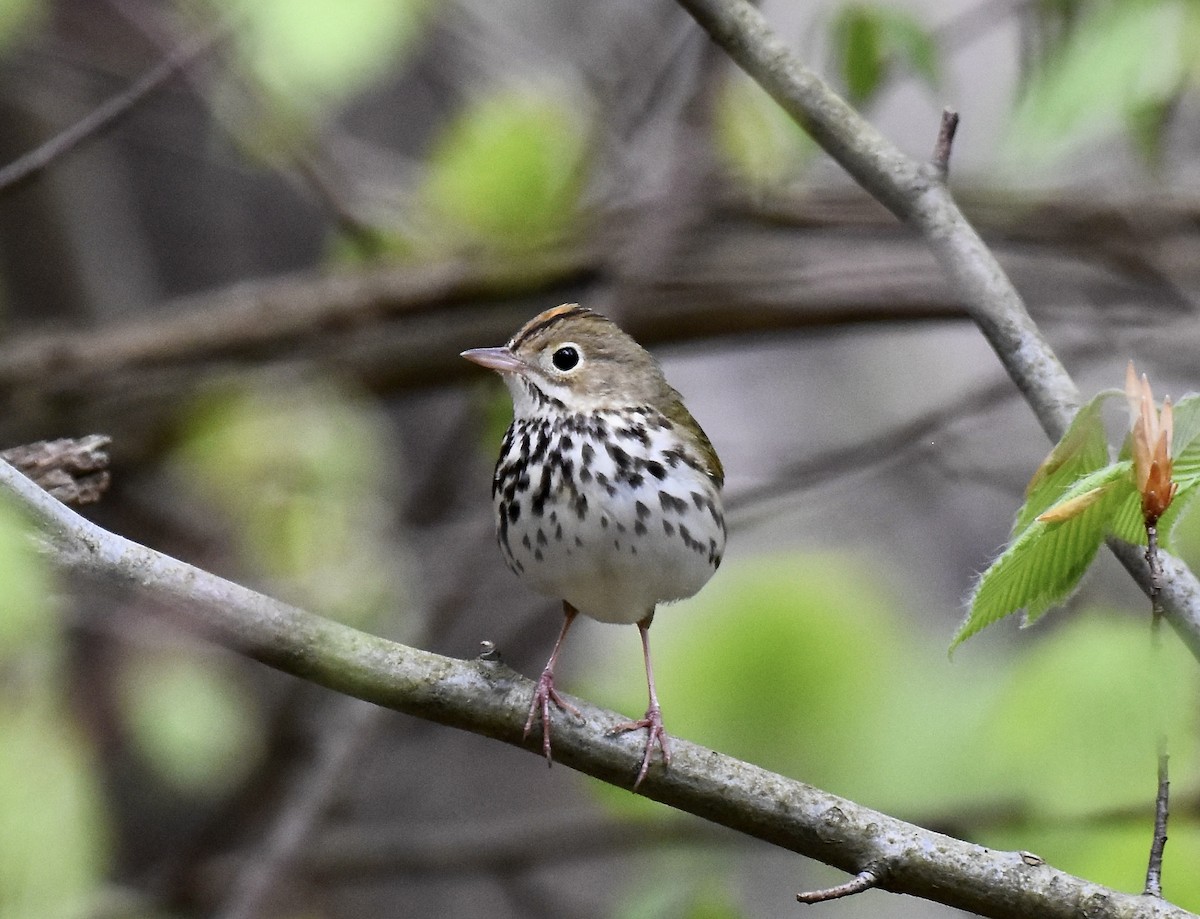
<point>618,553</point>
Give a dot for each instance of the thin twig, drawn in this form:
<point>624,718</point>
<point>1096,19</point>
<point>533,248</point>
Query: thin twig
<point>1158,843</point>
<point>108,113</point>
<point>869,877</point>
<point>945,142</point>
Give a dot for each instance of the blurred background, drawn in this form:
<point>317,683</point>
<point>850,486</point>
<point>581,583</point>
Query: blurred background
<point>257,280</point>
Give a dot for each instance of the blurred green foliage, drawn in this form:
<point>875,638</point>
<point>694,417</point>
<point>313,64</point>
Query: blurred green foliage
<point>507,172</point>
<point>701,891</point>
<point>17,19</point>
<point>300,472</point>
<point>192,718</point>
<point>755,138</point>
<point>299,59</point>
<point>801,664</point>
<point>871,42</point>
<point>1114,66</point>
<point>53,827</point>
<point>30,627</point>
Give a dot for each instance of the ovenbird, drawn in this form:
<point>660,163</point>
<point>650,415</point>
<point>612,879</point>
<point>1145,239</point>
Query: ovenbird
<point>607,491</point>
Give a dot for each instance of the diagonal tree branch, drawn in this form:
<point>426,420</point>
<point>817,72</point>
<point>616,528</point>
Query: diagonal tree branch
<point>487,698</point>
<point>915,193</point>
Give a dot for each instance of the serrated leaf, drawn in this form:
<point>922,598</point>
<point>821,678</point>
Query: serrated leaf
<point>1082,450</point>
<point>1126,521</point>
<point>1185,441</point>
<point>1042,566</point>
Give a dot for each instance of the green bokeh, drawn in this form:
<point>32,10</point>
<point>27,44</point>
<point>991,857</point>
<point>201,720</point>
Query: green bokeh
<point>17,19</point>
<point>507,173</point>
<point>53,836</point>
<point>29,620</point>
<point>300,471</point>
<point>1073,728</point>
<point>1118,61</point>
<point>797,663</point>
<point>192,719</point>
<point>756,139</point>
<point>314,53</point>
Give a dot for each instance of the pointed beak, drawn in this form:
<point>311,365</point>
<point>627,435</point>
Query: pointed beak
<point>499,359</point>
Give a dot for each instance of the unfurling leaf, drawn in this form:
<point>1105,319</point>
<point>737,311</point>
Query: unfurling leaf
<point>1042,566</point>
<point>1082,450</point>
<point>1078,497</point>
<point>1073,507</point>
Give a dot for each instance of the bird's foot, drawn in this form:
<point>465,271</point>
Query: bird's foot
<point>655,734</point>
<point>543,694</point>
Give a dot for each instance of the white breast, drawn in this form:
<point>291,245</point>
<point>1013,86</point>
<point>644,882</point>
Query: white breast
<point>615,531</point>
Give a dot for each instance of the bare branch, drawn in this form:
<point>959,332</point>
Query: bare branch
<point>487,698</point>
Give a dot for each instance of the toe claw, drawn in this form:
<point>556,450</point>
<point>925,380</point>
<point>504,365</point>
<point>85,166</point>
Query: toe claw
<point>543,694</point>
<point>655,734</point>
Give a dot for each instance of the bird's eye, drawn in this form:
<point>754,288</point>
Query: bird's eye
<point>565,358</point>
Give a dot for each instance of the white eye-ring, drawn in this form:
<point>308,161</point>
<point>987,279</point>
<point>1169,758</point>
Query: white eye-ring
<point>566,357</point>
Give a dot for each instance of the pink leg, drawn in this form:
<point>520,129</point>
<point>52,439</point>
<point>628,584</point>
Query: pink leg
<point>653,722</point>
<point>545,693</point>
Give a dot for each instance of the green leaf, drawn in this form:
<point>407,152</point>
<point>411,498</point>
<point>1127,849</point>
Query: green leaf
<point>508,172</point>
<point>1121,57</point>
<point>1185,442</point>
<point>1042,566</point>
<point>869,41</point>
<point>1082,450</point>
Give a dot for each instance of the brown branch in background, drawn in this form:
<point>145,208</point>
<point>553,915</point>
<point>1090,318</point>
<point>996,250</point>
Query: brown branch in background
<point>871,876</point>
<point>945,142</point>
<point>108,113</point>
<point>73,470</point>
